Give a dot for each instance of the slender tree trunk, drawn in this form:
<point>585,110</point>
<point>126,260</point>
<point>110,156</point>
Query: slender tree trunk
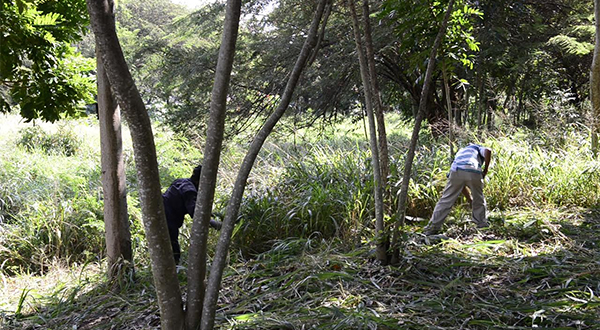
<point>519,109</point>
<point>327,13</point>
<point>458,115</point>
<point>369,100</point>
<point>595,83</point>
<point>220,258</point>
<point>384,162</point>
<point>163,266</point>
<point>481,98</point>
<point>208,176</point>
<point>449,106</point>
<point>116,219</point>
<point>490,115</point>
<point>415,134</point>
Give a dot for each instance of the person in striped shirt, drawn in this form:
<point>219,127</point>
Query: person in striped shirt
<point>469,168</point>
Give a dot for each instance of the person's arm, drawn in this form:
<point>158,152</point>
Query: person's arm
<point>487,157</point>
<point>190,206</point>
<point>190,202</point>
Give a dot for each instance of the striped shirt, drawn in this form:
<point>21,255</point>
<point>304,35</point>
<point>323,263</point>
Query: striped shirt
<point>469,158</point>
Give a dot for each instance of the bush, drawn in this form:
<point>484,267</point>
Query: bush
<point>527,174</point>
<point>63,142</point>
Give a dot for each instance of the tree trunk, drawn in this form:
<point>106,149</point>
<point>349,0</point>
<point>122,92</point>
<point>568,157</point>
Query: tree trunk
<point>369,100</point>
<point>163,266</point>
<point>384,162</point>
<point>481,98</point>
<point>219,260</point>
<point>449,106</point>
<point>415,134</point>
<point>326,14</point>
<point>595,83</point>
<point>208,176</point>
<point>116,220</point>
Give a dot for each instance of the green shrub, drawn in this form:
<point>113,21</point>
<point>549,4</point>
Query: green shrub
<point>63,142</point>
<point>527,174</point>
<point>51,208</point>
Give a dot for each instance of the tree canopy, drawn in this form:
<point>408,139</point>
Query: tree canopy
<point>41,74</point>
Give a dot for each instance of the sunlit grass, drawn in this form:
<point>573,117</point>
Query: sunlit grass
<point>307,220</point>
<point>25,293</point>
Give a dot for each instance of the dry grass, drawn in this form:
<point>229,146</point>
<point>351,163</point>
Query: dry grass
<point>530,269</point>
<point>472,280</point>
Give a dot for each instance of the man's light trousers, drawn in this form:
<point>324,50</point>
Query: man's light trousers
<point>457,180</point>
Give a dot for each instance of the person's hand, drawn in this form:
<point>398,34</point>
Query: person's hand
<point>484,173</point>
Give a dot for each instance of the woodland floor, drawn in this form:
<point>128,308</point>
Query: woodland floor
<point>530,269</point>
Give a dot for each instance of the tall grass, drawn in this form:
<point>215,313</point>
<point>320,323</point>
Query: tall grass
<point>325,185</point>
<point>527,173</point>
<point>50,201</point>
<point>305,184</point>
<point>324,192</point>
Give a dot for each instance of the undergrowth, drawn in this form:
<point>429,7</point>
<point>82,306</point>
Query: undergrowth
<point>301,256</point>
<point>530,269</point>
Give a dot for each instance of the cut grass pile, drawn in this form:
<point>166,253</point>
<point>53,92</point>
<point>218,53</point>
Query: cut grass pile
<point>529,269</point>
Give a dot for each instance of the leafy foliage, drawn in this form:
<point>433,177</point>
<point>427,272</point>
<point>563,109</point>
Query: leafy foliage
<point>39,70</point>
<point>530,50</point>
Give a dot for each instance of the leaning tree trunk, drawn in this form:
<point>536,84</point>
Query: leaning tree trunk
<point>415,134</point>
<point>116,220</point>
<point>595,83</point>
<point>208,176</point>
<point>219,260</point>
<point>163,266</point>
<point>369,96</point>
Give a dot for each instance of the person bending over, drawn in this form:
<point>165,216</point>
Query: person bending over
<point>469,168</point>
<point>180,199</point>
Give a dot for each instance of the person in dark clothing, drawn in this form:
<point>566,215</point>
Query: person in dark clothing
<point>180,199</point>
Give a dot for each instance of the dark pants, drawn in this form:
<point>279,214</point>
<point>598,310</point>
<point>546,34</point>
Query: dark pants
<point>174,236</point>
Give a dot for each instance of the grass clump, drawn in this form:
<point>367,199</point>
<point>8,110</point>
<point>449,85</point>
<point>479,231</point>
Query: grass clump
<point>50,203</point>
<point>72,231</point>
<point>62,142</point>
<point>323,192</point>
<point>526,175</point>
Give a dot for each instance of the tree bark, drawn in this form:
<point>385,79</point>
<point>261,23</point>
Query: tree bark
<point>595,83</point>
<point>219,260</point>
<point>116,220</point>
<point>449,106</point>
<point>384,158</point>
<point>208,176</point>
<point>415,134</point>
<point>163,266</point>
<point>369,96</point>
